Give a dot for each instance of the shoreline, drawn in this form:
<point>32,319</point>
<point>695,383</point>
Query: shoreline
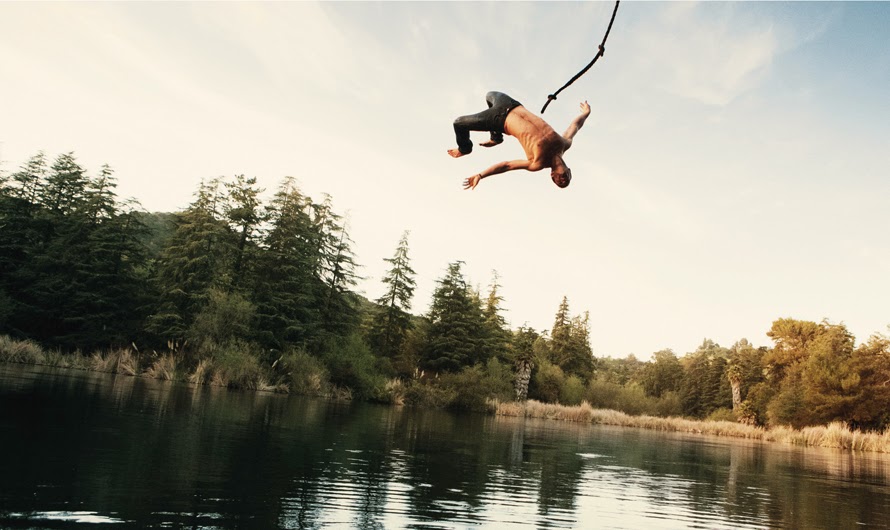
<point>835,435</point>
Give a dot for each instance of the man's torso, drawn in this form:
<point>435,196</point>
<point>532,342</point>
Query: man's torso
<point>540,142</point>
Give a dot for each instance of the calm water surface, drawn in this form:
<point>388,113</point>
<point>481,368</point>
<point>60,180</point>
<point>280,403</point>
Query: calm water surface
<point>83,450</point>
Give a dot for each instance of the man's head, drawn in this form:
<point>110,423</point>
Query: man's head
<point>561,176</point>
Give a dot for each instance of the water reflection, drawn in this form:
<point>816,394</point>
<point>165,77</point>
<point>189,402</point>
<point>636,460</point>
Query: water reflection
<point>146,453</point>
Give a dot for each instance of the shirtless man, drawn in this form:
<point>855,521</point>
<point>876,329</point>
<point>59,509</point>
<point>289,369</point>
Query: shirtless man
<point>543,146</point>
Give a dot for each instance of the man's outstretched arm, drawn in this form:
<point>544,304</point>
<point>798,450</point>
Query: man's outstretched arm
<point>511,165</point>
<point>578,122</point>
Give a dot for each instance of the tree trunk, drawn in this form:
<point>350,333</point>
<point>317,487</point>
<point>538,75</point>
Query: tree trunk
<point>736,394</point>
<point>523,376</point>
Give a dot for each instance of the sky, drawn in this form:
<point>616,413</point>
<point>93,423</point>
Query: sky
<point>733,170</point>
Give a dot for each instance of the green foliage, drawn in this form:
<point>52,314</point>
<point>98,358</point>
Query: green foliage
<point>629,398</point>
<point>303,373</point>
<point>705,387</point>
<point>288,287</point>
<point>496,339</point>
<point>662,375</point>
<point>572,391</point>
<point>474,388</point>
<point>195,260</point>
<point>722,414</point>
<point>429,394</point>
<point>547,382</point>
<point>252,295</point>
<point>69,255</point>
<point>570,342</point>
<point>351,364</point>
<point>225,318</point>
<point>235,365</point>
<point>454,337</point>
<point>391,322</point>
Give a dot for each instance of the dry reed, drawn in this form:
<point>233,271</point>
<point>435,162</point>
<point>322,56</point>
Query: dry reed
<point>835,435</point>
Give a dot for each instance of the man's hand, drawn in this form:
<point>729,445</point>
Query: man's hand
<point>490,143</point>
<point>585,108</point>
<point>472,182</point>
<point>455,153</point>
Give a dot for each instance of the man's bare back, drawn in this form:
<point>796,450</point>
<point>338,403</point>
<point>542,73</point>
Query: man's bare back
<point>543,146</point>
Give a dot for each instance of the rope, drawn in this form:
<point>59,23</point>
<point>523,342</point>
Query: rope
<point>600,53</point>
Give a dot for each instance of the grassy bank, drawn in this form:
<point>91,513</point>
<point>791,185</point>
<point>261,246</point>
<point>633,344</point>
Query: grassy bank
<point>834,435</point>
<point>301,373</point>
<point>296,372</point>
<point>343,374</point>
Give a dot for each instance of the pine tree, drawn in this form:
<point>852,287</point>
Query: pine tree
<point>336,271</point>
<point>497,338</point>
<point>580,360</point>
<point>570,342</point>
<point>19,243</point>
<point>391,322</point>
<point>455,325</point>
<point>287,286</point>
<point>194,261</point>
<point>244,214</point>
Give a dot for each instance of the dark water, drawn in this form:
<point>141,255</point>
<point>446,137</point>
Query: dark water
<point>80,449</point>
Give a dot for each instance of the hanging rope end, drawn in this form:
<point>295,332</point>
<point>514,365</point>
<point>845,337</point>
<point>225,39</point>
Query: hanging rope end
<point>550,97</point>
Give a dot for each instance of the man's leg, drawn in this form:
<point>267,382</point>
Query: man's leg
<point>492,120</point>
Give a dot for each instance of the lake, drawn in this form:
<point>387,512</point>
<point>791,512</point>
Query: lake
<point>80,449</point>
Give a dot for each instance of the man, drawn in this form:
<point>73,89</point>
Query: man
<point>543,146</point>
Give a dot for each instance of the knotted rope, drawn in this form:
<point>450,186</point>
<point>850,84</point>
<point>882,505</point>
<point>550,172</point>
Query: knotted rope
<point>600,53</point>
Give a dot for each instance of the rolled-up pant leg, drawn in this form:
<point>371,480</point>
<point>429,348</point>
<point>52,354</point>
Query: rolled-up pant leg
<point>492,120</point>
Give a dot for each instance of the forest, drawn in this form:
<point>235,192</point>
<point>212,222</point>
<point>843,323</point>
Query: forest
<point>243,293</point>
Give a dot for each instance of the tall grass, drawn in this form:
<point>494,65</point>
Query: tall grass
<point>835,435</point>
<point>20,351</point>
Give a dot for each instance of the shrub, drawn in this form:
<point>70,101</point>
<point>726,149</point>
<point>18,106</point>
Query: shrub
<point>572,391</point>
<point>669,404</point>
<point>235,366</point>
<point>546,383</point>
<point>423,393</point>
<point>303,373</point>
<point>722,414</point>
<point>352,365</point>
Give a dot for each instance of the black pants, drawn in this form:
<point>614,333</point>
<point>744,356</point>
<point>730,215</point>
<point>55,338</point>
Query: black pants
<point>491,120</point>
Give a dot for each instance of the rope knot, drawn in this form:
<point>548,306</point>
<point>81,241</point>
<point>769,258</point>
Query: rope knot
<point>551,97</point>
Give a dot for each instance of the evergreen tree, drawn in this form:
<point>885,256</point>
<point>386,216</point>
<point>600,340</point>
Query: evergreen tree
<point>287,286</point>
<point>663,374</point>
<point>56,271</point>
<point>497,338</point>
<point>455,325</point>
<point>70,256</point>
<point>337,265</point>
<point>570,343</point>
<point>195,260</point>
<point>580,359</point>
<point>705,387</point>
<point>244,214</point>
<point>560,335</point>
<point>390,321</point>
<point>19,242</point>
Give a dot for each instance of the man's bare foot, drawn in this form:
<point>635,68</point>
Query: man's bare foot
<point>491,143</point>
<point>455,153</point>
